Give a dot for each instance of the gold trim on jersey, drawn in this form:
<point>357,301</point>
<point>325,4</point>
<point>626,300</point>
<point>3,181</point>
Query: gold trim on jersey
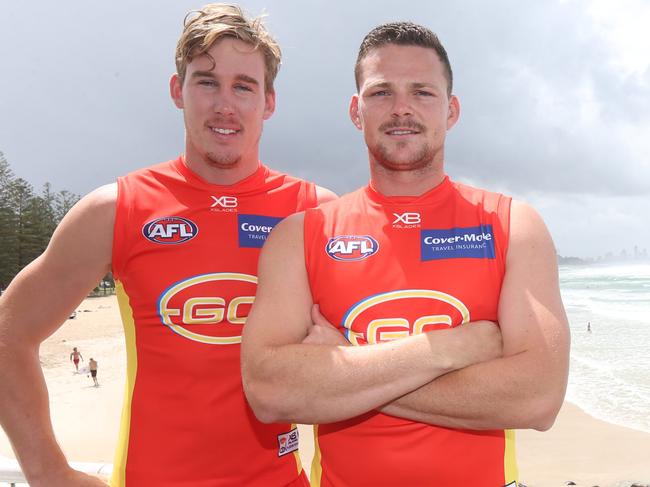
<point>316,467</point>
<point>510,457</point>
<point>118,478</point>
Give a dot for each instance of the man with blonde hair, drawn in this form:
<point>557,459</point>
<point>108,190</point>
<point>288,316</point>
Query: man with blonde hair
<point>182,240</point>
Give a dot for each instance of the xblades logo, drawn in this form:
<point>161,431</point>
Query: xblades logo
<point>406,219</point>
<point>223,203</point>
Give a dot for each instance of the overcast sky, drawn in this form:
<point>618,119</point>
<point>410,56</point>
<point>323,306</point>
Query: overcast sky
<point>555,99</point>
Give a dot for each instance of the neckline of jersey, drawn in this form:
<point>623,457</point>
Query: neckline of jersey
<point>249,183</point>
<point>435,195</point>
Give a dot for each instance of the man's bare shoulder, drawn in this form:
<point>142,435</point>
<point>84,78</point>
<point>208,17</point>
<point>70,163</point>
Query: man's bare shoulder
<point>95,209</point>
<point>289,229</point>
<point>103,197</point>
<point>85,234</point>
<point>527,226</point>
<point>323,195</point>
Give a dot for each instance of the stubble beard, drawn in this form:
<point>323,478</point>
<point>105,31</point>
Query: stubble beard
<point>419,160</point>
<point>223,160</point>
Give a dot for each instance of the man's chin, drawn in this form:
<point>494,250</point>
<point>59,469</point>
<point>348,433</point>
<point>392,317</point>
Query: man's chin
<point>402,162</point>
<point>222,161</point>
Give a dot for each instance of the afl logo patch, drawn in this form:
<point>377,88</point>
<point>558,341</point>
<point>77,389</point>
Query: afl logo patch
<point>351,247</point>
<point>170,230</point>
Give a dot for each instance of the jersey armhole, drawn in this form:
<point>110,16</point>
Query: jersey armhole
<point>310,235</point>
<point>308,197</point>
<point>503,215</point>
<point>123,210</point>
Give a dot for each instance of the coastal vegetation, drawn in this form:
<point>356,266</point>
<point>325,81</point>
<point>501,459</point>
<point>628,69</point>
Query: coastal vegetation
<point>27,220</point>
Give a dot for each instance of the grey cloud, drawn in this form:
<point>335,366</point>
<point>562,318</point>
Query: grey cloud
<point>86,98</point>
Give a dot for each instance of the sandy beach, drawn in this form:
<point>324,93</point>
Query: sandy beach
<point>578,448</point>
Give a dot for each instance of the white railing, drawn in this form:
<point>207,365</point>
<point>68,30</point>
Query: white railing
<point>11,474</point>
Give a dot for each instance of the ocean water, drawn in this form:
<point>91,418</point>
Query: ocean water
<point>609,375</point>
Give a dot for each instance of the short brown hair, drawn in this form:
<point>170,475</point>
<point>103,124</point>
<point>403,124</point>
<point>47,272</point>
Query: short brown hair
<point>203,28</point>
<point>403,34</point>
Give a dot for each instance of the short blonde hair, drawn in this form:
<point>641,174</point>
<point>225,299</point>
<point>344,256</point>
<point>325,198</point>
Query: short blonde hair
<point>204,27</point>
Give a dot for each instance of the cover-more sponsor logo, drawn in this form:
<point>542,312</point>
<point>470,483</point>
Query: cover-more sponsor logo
<point>254,229</point>
<point>351,247</point>
<point>209,308</point>
<point>170,230</point>
<point>398,314</point>
<point>288,442</point>
<point>457,243</point>
<point>409,219</point>
<point>224,203</point>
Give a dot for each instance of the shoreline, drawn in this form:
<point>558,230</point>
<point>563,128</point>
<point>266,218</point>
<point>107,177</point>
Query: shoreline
<point>579,448</point>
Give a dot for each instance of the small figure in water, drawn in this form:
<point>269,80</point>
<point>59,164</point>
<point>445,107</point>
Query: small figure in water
<point>589,326</point>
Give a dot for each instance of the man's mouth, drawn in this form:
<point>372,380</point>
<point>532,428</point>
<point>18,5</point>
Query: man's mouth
<point>402,132</point>
<point>401,128</point>
<point>225,131</point>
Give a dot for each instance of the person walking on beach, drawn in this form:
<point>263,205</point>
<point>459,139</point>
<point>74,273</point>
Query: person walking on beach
<point>376,313</point>
<point>92,365</point>
<point>182,239</point>
<point>75,356</point>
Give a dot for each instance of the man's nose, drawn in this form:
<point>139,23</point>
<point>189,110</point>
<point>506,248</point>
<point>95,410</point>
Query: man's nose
<point>401,105</point>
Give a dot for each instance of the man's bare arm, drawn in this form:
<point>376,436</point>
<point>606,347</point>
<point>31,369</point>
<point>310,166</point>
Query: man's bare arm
<point>286,380</point>
<point>526,387</point>
<point>35,305</point>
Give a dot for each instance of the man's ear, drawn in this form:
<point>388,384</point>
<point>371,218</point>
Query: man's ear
<point>453,113</point>
<point>176,90</point>
<point>354,111</point>
<point>269,104</point>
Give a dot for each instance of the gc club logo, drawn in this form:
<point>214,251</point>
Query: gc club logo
<point>201,308</point>
<point>351,247</point>
<point>398,314</point>
<point>170,230</point>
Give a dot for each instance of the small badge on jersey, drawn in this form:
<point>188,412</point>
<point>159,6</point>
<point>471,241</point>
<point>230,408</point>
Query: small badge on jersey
<point>224,203</point>
<point>288,442</point>
<point>351,247</point>
<point>408,219</point>
<point>170,230</point>
<point>254,229</point>
<point>457,243</point>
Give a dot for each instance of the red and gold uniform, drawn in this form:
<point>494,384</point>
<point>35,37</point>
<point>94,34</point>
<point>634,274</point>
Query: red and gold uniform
<point>383,268</point>
<point>185,260</point>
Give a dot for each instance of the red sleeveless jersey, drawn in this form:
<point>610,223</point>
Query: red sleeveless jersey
<point>383,268</point>
<point>185,259</point>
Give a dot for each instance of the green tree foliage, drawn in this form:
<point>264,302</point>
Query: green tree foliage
<point>27,220</point>
<point>8,223</point>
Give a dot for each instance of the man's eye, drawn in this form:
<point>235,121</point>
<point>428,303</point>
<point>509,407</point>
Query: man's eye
<point>243,88</point>
<point>423,93</point>
<point>207,82</point>
<point>380,93</point>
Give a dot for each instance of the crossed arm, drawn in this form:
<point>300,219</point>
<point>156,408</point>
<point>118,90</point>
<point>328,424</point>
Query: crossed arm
<point>292,372</point>
<point>289,376</point>
<point>525,387</point>
<point>37,302</point>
